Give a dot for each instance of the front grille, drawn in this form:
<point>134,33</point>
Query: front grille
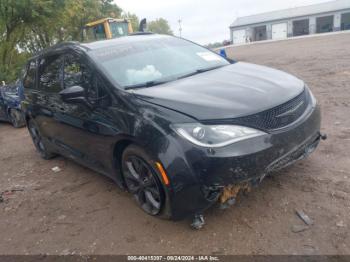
<point>277,117</point>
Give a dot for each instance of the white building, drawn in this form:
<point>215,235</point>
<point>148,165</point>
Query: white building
<point>305,20</point>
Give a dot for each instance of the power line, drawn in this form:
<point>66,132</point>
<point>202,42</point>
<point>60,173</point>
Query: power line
<point>180,27</point>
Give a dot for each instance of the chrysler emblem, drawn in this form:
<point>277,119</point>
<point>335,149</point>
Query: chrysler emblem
<point>291,111</point>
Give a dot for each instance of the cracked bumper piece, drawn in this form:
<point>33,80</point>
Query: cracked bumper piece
<point>231,192</point>
<point>298,154</point>
<point>221,173</point>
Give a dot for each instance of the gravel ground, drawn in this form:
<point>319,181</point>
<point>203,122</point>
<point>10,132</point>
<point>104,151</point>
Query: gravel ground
<point>81,212</point>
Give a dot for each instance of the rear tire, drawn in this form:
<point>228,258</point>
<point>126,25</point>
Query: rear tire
<point>16,118</point>
<point>142,180</point>
<point>38,141</point>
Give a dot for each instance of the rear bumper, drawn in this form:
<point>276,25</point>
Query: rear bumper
<point>199,175</point>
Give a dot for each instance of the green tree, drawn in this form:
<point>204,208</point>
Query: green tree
<point>109,9</point>
<point>160,26</point>
<point>15,18</point>
<point>77,14</point>
<point>134,20</point>
<point>28,26</point>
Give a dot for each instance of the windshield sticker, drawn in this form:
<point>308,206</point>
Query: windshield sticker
<point>208,56</point>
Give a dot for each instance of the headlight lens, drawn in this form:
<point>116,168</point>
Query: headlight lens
<point>214,135</point>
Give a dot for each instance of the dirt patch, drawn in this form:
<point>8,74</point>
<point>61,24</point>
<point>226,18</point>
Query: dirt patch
<point>79,211</point>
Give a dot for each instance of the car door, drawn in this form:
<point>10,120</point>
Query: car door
<point>29,88</point>
<point>86,127</point>
<point>46,96</point>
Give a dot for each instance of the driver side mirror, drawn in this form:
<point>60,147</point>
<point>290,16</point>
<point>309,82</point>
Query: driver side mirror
<point>73,94</point>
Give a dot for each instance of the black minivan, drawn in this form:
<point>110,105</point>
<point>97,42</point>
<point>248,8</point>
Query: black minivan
<point>175,124</point>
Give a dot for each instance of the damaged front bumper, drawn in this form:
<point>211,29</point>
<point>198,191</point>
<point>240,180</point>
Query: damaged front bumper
<point>221,174</point>
<point>228,194</point>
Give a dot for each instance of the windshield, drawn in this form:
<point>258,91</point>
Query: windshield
<point>155,60</point>
<point>118,29</point>
<point>95,33</point>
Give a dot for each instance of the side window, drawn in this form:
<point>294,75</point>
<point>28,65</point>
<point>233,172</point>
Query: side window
<point>73,73</point>
<point>29,78</point>
<point>77,73</point>
<point>100,32</point>
<point>50,74</point>
<point>100,87</point>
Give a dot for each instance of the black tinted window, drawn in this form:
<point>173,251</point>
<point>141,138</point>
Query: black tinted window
<point>100,87</point>
<point>50,74</point>
<point>77,73</point>
<point>73,75</point>
<point>29,78</point>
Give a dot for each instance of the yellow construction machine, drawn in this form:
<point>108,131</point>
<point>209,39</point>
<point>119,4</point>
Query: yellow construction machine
<point>107,28</point>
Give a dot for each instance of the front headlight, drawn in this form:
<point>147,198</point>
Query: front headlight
<point>214,135</point>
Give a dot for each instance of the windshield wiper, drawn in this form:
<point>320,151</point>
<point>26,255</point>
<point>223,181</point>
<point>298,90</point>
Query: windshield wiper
<point>147,84</point>
<point>199,71</point>
<point>159,82</point>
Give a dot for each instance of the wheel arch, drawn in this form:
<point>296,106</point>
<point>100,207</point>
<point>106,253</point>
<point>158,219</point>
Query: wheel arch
<point>165,189</point>
<point>27,117</point>
<point>118,149</point>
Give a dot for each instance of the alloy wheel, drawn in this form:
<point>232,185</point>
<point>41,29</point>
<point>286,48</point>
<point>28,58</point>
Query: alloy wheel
<point>142,183</point>
<point>14,118</point>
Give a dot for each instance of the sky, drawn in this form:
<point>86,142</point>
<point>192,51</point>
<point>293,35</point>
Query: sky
<point>205,21</point>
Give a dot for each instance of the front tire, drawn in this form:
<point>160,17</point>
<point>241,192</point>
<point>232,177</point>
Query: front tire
<point>38,141</point>
<point>142,181</point>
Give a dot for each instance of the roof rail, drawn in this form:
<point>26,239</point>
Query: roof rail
<point>57,47</point>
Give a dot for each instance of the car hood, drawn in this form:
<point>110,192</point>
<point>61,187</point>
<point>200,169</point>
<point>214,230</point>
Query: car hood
<point>232,91</point>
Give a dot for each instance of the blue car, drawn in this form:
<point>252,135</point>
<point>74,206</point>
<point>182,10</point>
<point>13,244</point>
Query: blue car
<point>10,105</point>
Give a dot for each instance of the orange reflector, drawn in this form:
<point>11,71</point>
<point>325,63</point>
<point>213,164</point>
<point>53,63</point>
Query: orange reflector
<point>162,172</point>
